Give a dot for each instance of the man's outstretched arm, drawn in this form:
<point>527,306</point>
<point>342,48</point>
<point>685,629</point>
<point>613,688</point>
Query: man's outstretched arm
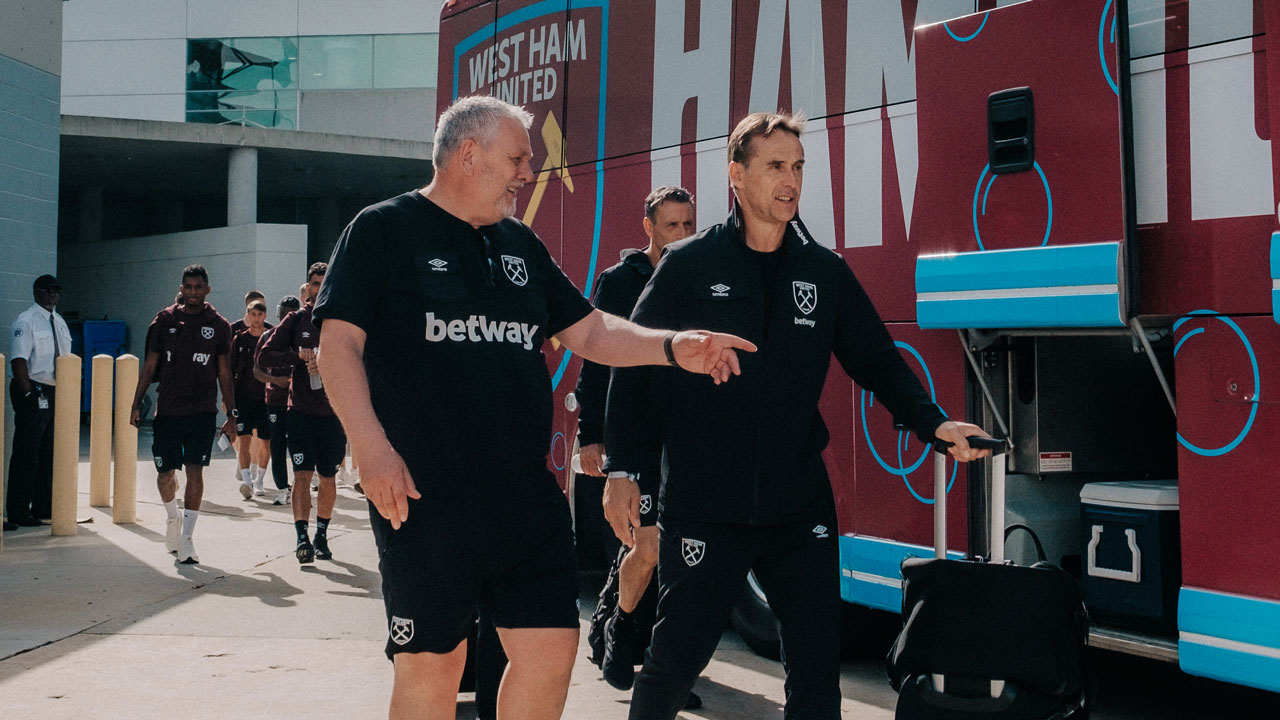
<point>611,340</point>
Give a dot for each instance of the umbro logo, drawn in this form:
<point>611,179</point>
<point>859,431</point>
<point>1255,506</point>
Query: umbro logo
<point>820,531</point>
<point>306,334</point>
<point>438,265</point>
<point>720,290</point>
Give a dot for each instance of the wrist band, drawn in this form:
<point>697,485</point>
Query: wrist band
<point>666,347</point>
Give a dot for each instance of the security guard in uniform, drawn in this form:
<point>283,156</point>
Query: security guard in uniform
<point>39,336</point>
<point>744,485</point>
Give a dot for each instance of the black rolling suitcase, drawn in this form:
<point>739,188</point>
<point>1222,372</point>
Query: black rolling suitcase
<point>986,638</point>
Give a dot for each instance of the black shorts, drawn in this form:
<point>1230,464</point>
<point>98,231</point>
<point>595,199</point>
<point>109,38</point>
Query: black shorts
<point>251,417</point>
<point>182,440</point>
<point>276,416</point>
<point>649,483</point>
<point>316,443</point>
<point>513,560</point>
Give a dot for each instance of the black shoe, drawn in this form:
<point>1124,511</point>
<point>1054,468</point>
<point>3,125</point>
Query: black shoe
<point>306,552</point>
<point>322,548</point>
<point>28,521</point>
<point>9,527</point>
<point>620,651</point>
<point>694,702</point>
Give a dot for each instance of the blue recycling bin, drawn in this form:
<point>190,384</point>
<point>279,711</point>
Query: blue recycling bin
<point>97,337</point>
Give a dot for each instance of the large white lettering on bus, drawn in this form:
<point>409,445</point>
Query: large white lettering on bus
<point>703,76</point>
<point>880,68</point>
<point>521,68</point>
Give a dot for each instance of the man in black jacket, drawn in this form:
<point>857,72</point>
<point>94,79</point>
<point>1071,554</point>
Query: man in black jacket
<point>630,502</point>
<point>751,492</point>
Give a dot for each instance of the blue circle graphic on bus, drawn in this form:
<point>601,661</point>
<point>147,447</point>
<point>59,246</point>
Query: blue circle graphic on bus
<point>967,38</point>
<point>557,439</point>
<point>978,190</point>
<point>1257,386</point>
<point>902,470</point>
<point>1104,41</point>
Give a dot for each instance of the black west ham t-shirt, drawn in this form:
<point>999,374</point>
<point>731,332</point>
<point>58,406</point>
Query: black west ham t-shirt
<point>455,319</point>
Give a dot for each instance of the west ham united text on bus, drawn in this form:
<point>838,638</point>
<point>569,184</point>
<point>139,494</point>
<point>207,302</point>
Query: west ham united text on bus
<point>522,67</point>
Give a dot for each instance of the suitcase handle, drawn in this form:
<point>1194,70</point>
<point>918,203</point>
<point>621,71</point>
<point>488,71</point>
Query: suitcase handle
<point>997,446</point>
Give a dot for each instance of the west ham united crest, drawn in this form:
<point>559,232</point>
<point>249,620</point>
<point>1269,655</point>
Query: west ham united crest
<point>401,630</point>
<point>298,458</point>
<point>206,333</point>
<point>515,270</point>
<point>646,504</point>
<point>693,550</point>
<point>806,296</point>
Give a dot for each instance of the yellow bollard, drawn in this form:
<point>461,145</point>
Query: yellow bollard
<point>3,467</point>
<point>66,444</point>
<point>125,509</point>
<point>100,432</point>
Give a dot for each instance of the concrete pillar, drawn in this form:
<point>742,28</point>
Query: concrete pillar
<point>89,215</point>
<point>242,186</point>
<point>66,444</point>
<point>124,510</point>
<point>100,432</point>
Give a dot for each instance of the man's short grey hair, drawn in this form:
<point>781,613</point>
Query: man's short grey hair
<point>475,117</point>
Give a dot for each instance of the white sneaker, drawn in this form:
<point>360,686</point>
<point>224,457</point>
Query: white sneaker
<point>172,534</point>
<point>284,498</point>
<point>344,476</point>
<point>246,489</point>
<point>187,554</point>
<point>315,481</point>
<point>257,487</point>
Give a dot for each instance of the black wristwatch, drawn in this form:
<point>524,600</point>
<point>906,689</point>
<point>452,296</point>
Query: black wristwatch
<point>666,347</point>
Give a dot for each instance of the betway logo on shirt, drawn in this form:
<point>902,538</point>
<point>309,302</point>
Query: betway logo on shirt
<point>478,328</point>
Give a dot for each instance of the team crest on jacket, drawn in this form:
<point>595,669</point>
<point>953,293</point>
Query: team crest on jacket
<point>692,550</point>
<point>646,504</point>
<point>206,333</point>
<point>515,270</point>
<point>806,296</point>
<point>401,630</point>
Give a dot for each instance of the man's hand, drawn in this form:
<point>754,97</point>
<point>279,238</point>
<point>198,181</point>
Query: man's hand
<point>229,427</point>
<point>386,481</point>
<point>709,353</point>
<point>311,358</point>
<point>592,459</point>
<point>955,433</point>
<point>621,503</point>
<point>135,416</point>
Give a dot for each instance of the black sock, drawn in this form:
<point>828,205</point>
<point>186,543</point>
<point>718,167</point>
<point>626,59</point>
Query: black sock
<point>301,525</point>
<point>322,526</point>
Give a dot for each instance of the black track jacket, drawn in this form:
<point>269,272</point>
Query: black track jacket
<point>749,451</point>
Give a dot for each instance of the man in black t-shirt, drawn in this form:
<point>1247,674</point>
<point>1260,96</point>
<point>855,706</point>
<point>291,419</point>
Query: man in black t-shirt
<point>433,316</point>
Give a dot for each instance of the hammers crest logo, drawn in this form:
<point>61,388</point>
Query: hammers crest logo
<point>206,333</point>
<point>298,458</point>
<point>806,296</point>
<point>692,550</point>
<point>515,270</point>
<point>401,630</point>
<point>646,504</point>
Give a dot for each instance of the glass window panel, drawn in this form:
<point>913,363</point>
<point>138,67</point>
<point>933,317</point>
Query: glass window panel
<point>405,61</point>
<point>335,62</point>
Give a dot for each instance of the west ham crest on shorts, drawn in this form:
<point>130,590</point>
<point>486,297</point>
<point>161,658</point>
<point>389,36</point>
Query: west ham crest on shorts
<point>206,333</point>
<point>401,630</point>
<point>298,458</point>
<point>159,462</point>
<point>646,504</point>
<point>806,296</point>
<point>693,550</point>
<point>515,270</point>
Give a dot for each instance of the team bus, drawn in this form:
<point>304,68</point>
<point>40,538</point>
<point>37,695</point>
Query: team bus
<point>1066,212</point>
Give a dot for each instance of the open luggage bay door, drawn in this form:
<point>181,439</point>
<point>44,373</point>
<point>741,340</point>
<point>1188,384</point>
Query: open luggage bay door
<point>1024,198</point>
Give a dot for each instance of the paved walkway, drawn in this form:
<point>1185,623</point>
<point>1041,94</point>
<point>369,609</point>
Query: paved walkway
<point>107,624</point>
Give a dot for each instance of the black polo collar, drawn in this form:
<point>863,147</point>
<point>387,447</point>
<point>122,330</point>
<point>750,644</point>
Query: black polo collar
<point>795,238</point>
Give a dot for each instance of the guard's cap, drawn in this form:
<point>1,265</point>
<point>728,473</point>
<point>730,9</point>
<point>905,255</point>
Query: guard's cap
<point>46,282</point>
